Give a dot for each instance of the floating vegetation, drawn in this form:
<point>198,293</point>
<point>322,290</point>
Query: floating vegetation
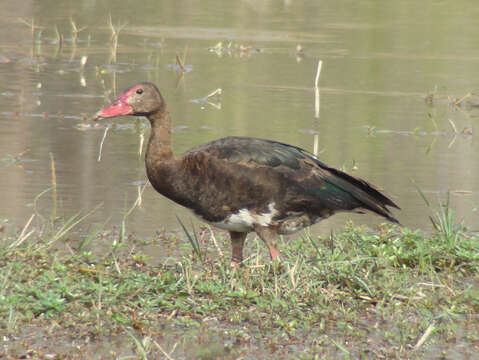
<point>467,101</point>
<point>17,159</point>
<point>208,99</point>
<point>220,49</point>
<point>372,130</point>
<point>231,48</point>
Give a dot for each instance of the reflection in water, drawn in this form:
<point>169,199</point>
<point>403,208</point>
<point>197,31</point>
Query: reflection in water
<point>378,65</point>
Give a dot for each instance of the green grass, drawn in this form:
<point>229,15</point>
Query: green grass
<point>391,293</point>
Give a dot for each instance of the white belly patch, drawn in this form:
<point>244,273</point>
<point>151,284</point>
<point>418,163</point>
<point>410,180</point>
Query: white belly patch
<point>245,220</point>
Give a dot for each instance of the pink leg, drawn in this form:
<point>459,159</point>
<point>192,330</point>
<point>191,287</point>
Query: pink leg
<point>274,253</point>
<point>237,241</point>
<point>269,236</point>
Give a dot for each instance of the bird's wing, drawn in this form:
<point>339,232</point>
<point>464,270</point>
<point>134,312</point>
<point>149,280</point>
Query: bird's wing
<point>299,168</point>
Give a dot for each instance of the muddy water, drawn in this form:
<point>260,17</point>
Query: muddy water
<point>379,63</point>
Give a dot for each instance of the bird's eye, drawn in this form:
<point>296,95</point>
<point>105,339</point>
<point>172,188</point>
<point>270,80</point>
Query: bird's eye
<point>139,91</point>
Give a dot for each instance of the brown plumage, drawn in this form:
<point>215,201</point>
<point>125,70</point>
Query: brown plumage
<point>245,184</point>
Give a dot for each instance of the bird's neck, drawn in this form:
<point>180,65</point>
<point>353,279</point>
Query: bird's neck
<point>159,146</point>
<point>162,166</point>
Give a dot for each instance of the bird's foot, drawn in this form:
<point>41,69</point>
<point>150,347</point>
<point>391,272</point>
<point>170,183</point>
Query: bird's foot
<point>274,253</point>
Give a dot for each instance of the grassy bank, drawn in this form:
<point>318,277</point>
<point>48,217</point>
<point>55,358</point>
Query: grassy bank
<point>387,293</point>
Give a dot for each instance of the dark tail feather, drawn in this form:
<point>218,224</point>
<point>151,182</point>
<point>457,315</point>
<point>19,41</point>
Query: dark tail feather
<point>370,197</point>
<point>391,219</point>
